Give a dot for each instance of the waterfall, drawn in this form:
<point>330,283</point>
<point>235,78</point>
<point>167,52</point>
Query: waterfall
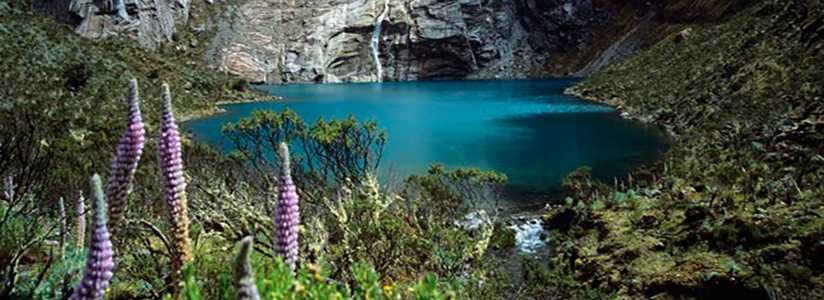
<point>376,36</point>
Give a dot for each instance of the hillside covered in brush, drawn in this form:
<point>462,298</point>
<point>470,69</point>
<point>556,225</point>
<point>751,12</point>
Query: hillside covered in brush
<point>736,208</point>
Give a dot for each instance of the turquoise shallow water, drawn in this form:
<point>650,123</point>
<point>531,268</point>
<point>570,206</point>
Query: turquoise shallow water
<point>526,129</point>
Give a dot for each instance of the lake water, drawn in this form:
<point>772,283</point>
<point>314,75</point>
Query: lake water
<point>526,129</point>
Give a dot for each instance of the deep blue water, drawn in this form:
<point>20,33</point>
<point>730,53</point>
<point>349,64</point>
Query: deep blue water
<point>526,129</point>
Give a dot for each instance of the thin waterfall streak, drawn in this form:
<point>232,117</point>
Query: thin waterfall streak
<point>376,36</point>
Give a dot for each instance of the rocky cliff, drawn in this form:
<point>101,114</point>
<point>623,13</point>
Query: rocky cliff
<point>150,22</point>
<point>334,40</point>
<point>638,24</point>
<point>354,40</point>
<point>398,40</point>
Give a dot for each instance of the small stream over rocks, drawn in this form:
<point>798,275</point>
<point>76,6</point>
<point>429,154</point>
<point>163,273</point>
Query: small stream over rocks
<point>529,236</point>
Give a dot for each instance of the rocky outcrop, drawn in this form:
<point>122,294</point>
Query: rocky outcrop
<point>343,41</point>
<point>330,40</point>
<point>150,22</point>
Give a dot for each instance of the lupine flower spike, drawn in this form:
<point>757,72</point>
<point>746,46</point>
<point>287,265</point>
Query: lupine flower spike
<point>174,190</point>
<point>287,215</point>
<point>128,152</point>
<point>244,277</point>
<point>99,263</point>
<point>80,223</point>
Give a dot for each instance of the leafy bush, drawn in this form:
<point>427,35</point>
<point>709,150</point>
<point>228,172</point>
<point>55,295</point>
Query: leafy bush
<point>330,152</point>
<point>275,281</point>
<point>26,228</point>
<point>458,190</point>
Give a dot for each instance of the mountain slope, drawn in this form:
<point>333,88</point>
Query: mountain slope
<point>64,95</point>
<point>736,209</point>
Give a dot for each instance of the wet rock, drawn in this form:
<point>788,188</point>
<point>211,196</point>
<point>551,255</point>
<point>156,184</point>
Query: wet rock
<point>681,36</point>
<point>561,220</point>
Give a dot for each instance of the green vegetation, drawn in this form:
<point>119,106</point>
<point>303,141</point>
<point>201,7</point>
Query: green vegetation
<point>736,209</point>
<point>355,229</point>
<point>275,281</point>
<point>64,93</point>
<point>332,152</point>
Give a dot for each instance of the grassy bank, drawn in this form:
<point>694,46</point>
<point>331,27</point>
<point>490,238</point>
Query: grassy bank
<point>736,209</point>
<point>69,92</point>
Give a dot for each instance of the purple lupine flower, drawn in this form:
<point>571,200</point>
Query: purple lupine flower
<point>99,262</point>
<point>128,152</point>
<point>287,215</point>
<point>244,277</point>
<point>174,189</point>
<point>80,224</point>
<point>61,210</point>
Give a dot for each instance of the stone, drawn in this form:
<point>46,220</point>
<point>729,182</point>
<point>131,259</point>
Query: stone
<point>151,23</point>
<point>682,35</point>
<point>330,40</point>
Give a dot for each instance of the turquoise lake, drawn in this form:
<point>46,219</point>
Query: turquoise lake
<point>526,129</point>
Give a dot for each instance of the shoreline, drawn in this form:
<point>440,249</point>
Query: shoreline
<point>216,109</point>
<point>576,91</point>
<point>529,205</point>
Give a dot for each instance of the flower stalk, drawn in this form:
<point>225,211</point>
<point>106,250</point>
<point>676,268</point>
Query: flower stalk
<point>287,215</point>
<point>80,223</point>
<point>99,262</point>
<point>61,206</point>
<point>128,152</point>
<point>174,187</point>
<point>244,277</point>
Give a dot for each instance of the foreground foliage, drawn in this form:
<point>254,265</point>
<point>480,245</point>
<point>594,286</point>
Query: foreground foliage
<point>357,230</point>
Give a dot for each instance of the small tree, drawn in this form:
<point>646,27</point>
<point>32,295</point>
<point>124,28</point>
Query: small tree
<point>460,189</point>
<point>330,152</point>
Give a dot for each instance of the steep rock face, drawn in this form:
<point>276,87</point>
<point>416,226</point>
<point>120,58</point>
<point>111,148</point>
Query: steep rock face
<point>335,40</point>
<point>150,22</point>
<point>331,40</point>
<point>308,41</point>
